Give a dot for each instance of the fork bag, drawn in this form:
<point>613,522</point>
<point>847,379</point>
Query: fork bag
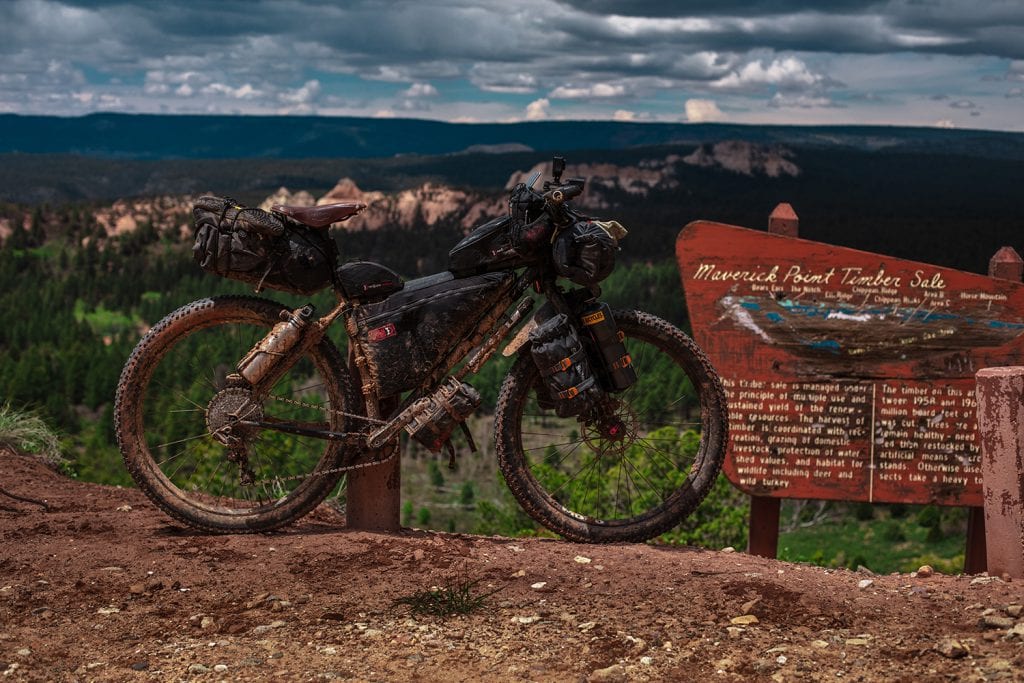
<point>564,367</point>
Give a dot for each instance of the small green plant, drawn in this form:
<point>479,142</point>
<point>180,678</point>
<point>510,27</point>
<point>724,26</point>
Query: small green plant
<point>423,516</point>
<point>455,596</point>
<point>466,494</point>
<point>407,513</point>
<point>25,432</point>
<point>893,532</point>
<point>436,478</point>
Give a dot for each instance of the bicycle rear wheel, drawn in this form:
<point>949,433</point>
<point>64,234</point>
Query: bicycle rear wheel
<point>173,395</point>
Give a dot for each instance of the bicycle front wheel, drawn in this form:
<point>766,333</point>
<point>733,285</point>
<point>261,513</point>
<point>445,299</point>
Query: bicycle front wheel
<point>632,470</point>
<point>173,396</point>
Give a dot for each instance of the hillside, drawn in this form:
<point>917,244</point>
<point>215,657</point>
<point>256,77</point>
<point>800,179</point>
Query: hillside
<point>102,586</point>
<point>948,209</point>
<point>153,136</point>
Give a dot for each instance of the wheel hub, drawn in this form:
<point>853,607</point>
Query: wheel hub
<point>613,431</point>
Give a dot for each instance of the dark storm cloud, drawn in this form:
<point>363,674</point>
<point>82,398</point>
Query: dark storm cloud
<point>289,56</point>
<point>740,8</point>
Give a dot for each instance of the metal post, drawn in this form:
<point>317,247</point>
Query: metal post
<point>1001,427</point>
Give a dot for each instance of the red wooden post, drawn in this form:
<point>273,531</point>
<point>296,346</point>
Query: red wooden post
<point>1001,426</point>
<point>784,221</point>
<point>764,526</point>
<point>373,498</point>
<point>1007,265</point>
<point>764,510</point>
<point>975,553</point>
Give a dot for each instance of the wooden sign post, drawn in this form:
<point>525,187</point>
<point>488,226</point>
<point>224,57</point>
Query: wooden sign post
<point>850,375</point>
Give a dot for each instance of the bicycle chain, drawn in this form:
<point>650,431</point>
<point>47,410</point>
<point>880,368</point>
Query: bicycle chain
<point>333,470</point>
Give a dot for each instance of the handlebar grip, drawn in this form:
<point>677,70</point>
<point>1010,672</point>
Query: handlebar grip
<point>564,193</point>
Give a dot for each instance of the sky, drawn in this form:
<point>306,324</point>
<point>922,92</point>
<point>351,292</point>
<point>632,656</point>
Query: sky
<point>945,63</point>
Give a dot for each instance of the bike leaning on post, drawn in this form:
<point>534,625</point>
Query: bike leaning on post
<point>236,414</point>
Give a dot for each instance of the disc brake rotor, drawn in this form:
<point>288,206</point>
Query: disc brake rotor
<point>612,432</point>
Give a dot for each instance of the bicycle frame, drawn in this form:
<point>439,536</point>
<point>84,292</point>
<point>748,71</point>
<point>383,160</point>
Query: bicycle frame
<point>485,338</point>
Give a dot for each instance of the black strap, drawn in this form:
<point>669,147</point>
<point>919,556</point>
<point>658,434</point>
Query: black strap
<point>564,364</point>
<point>573,392</point>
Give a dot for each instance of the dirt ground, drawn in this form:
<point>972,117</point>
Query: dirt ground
<point>102,586</point>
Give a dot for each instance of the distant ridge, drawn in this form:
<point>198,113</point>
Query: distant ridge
<point>155,136</point>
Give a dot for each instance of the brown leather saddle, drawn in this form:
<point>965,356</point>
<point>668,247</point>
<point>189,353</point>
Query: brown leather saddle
<point>320,216</point>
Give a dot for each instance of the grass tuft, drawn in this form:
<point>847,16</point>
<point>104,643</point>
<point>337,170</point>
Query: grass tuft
<point>455,596</point>
<point>25,432</point>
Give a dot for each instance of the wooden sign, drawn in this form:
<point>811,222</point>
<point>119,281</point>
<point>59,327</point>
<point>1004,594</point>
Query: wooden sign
<point>850,375</point>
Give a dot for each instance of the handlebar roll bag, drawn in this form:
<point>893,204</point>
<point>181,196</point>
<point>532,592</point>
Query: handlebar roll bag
<point>584,253</point>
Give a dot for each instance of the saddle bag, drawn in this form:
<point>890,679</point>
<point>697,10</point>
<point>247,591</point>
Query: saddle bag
<point>566,372</point>
<point>257,247</point>
<point>406,336</point>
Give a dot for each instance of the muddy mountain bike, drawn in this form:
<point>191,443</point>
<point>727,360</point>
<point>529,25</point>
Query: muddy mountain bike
<point>237,414</point>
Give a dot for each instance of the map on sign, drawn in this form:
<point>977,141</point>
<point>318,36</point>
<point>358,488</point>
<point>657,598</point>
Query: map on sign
<point>850,375</point>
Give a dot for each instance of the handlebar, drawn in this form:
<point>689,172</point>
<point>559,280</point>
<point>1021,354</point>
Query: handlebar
<point>563,193</point>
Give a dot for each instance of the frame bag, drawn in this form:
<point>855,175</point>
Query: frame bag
<point>406,336</point>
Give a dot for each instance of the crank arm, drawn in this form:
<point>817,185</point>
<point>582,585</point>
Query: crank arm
<point>354,438</point>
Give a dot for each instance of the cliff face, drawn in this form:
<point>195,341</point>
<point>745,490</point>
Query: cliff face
<point>286,197</point>
<point>165,213</point>
<point>746,158</point>
<point>432,203</point>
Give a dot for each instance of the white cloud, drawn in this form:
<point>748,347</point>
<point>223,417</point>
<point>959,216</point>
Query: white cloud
<point>595,90</point>
<point>1015,92</point>
<point>699,111</point>
<point>944,123</point>
<point>420,90</point>
<point>538,109</point>
<point>502,78</point>
<point>244,92</point>
<point>624,115</point>
<point>302,95</point>
<point>787,73</point>
<point>383,114</point>
<point>184,90</point>
<point>637,26</point>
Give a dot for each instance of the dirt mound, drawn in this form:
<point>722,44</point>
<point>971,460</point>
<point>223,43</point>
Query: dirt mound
<point>102,586</point>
